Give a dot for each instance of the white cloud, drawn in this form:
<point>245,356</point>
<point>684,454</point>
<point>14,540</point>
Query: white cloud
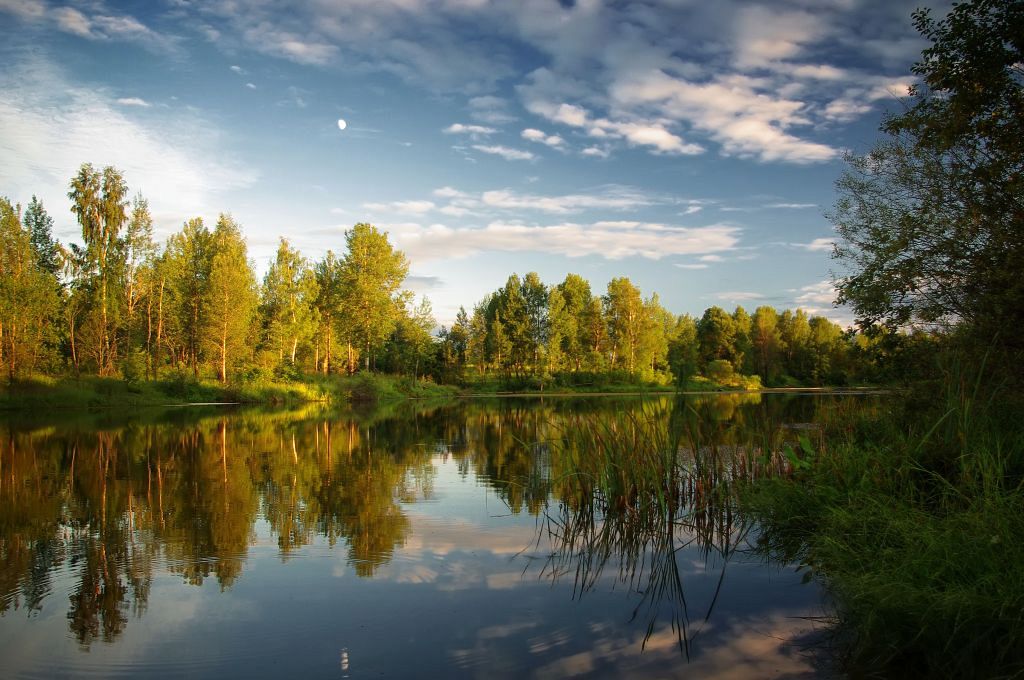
<point>534,135</point>
<point>596,152</point>
<point>72,21</point>
<point>237,69</point>
<point>739,296</point>
<point>251,86</point>
<point>52,125</point>
<point>505,152</point>
<point>792,206</point>
<point>613,198</point>
<point>692,266</point>
<point>133,101</point>
<point>402,207</point>
<point>474,131</point>
<point>28,10</point>
<point>732,110</point>
<point>764,35</point>
<point>818,244</point>
<point>816,297</point>
<point>490,109</point>
<point>609,240</point>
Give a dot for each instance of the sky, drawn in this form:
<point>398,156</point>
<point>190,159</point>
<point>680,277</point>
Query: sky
<point>691,146</point>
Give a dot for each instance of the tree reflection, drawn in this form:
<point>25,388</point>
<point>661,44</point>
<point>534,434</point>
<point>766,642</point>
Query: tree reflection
<point>114,504</point>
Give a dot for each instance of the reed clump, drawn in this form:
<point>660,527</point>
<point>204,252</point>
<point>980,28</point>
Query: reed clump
<point>914,518</point>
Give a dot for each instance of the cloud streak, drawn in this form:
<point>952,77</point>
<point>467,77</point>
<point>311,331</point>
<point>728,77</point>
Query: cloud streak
<point>608,240</point>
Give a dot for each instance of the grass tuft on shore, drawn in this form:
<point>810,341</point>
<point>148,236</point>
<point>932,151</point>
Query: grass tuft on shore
<point>915,520</point>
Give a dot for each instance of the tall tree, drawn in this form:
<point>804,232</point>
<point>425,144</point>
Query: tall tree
<point>99,201</point>
<point>625,314</point>
<point>684,349</point>
<point>716,333</point>
<point>28,295</point>
<point>766,344</point>
<point>187,264</point>
<point>328,304</point>
<point>139,253</point>
<point>932,219</point>
<point>40,226</point>
<point>289,296</point>
<point>231,295</point>
<point>372,277</point>
<point>575,291</point>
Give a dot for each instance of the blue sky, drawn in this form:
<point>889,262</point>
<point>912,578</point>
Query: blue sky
<point>691,146</point>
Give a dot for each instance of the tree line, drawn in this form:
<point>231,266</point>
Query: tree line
<point>123,304</point>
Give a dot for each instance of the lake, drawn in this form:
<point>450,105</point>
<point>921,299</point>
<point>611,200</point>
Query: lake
<point>520,537</point>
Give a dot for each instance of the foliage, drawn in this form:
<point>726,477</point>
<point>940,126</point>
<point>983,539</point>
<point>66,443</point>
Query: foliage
<point>932,219</point>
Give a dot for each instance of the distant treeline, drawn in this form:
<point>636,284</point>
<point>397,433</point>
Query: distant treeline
<point>122,304</point>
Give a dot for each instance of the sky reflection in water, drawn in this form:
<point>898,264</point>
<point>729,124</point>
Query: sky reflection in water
<point>404,542</point>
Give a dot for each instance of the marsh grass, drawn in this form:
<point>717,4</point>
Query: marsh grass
<point>640,487</point>
<point>915,519</point>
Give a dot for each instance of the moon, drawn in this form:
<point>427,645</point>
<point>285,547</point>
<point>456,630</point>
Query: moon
<point>342,124</point>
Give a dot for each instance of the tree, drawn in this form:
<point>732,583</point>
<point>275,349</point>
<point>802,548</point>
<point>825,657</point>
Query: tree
<point>327,273</point>
<point>139,253</point>
<point>231,295</point>
<point>766,344</point>
<point>372,276</point>
<point>28,295</point>
<point>625,313</point>
<point>289,295</point>
<point>40,226</point>
<point>99,201</point>
<point>716,334</point>
<point>575,290</point>
<point>932,219</point>
<point>187,266</point>
<point>684,349</point>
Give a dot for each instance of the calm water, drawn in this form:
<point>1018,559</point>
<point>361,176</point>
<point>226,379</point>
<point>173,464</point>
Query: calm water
<point>475,539</point>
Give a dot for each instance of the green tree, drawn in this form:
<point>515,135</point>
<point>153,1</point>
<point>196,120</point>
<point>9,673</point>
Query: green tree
<point>716,333</point>
<point>625,314</point>
<point>328,302</point>
<point>231,296</point>
<point>99,201</point>
<point>372,277</point>
<point>40,226</point>
<point>684,349</point>
<point>575,291</point>
<point>932,219</point>
<point>766,344</point>
<point>139,253</point>
<point>289,295</point>
<point>187,267</point>
<point>28,296</point>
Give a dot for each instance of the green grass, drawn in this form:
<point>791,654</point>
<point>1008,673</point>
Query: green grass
<point>914,518</point>
<point>42,392</point>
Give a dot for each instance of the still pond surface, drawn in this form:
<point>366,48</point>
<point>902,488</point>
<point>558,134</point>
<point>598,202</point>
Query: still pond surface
<point>483,538</point>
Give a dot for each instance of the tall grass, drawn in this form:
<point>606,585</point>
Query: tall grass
<point>637,488</point>
<point>915,519</point>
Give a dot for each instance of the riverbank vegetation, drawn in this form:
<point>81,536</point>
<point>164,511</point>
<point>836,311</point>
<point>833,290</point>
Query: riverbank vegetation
<point>191,312</point>
<point>914,517</point>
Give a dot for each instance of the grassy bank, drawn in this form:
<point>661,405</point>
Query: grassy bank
<point>914,518</point>
<point>601,383</point>
<point>95,392</point>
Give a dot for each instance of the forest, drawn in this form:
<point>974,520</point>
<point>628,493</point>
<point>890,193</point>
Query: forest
<point>122,304</point>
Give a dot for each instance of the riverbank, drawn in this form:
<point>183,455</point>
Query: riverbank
<point>913,516</point>
<point>96,392</point>
<point>45,392</point>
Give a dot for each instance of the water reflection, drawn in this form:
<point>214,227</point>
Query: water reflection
<point>622,486</point>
